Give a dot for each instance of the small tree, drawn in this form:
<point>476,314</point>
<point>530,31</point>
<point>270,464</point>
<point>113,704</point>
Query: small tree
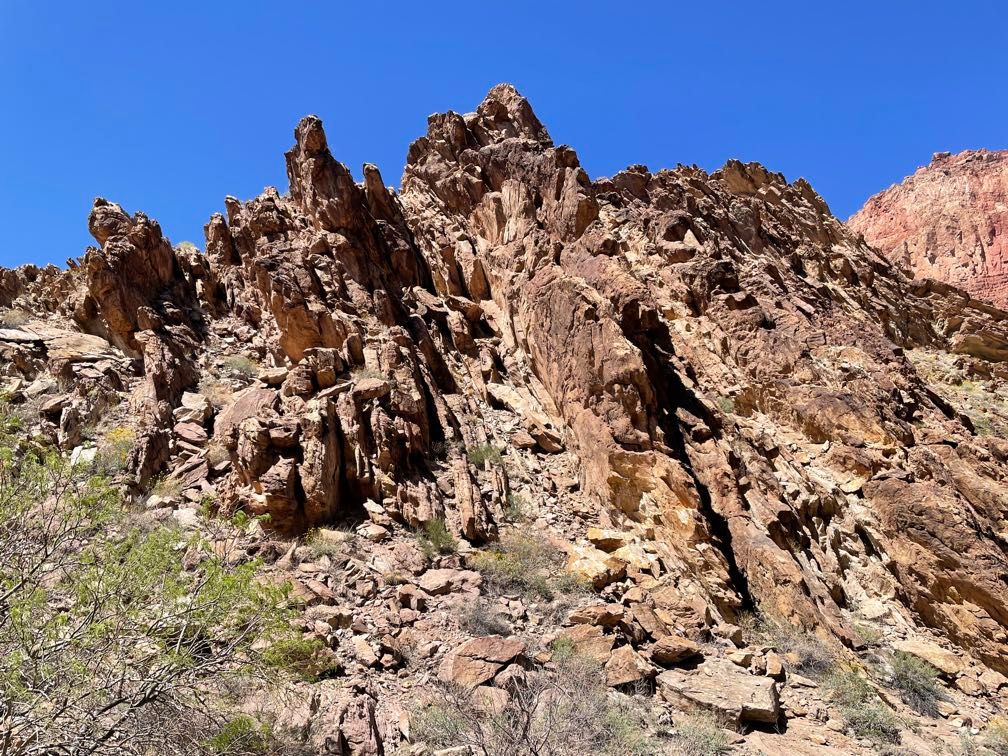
<point>112,641</point>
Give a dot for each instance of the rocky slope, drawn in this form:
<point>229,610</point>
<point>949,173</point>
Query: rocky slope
<point>706,392</point>
<point>948,221</point>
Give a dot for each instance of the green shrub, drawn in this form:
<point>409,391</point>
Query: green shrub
<point>330,542</point>
<point>105,619</point>
<point>917,683</point>
<point>241,365</point>
<point>308,658</point>
<point>726,404</point>
<point>483,453</point>
<point>435,539</point>
<point>114,450</point>
<point>364,372</point>
<point>701,735</point>
<point>864,713</point>
<point>241,736</point>
<point>562,648</point>
<point>526,564</point>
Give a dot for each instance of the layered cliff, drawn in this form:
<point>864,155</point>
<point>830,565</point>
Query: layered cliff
<point>948,221</point>
<point>761,411</point>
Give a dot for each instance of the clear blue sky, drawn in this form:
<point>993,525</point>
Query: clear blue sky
<point>168,107</point>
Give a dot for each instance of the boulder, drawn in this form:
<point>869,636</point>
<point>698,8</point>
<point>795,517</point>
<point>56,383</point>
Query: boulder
<point>477,661</point>
<point>724,689</point>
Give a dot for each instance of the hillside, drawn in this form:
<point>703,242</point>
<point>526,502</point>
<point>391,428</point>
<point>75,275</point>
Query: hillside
<point>687,426</point>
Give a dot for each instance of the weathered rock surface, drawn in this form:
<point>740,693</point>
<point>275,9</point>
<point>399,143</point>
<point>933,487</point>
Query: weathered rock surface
<point>947,221</point>
<point>708,393</point>
<point>724,689</point>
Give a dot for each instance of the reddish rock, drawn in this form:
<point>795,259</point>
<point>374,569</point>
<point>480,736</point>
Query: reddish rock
<point>948,221</point>
<point>477,661</point>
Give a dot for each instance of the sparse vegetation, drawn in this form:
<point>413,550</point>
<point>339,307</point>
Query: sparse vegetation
<point>528,565</point>
<point>242,366</point>
<point>110,623</point>
<point>329,542</point>
<point>869,633</point>
<point>114,450</point>
<point>564,712</point>
<point>517,508</point>
<point>701,735</point>
<point>726,403</point>
<point>363,372</point>
<point>863,711</point>
<point>166,487</point>
<point>241,736</point>
<point>435,539</point>
<point>13,318</point>
<point>217,391</point>
<point>810,655</point>
<point>917,683</point>
<point>307,658</point>
<point>479,618</point>
<point>995,736</point>
<point>186,246</point>
<point>986,404</point>
<point>216,453</point>
<point>481,454</point>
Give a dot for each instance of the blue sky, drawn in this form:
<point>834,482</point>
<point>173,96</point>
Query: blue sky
<point>168,107</point>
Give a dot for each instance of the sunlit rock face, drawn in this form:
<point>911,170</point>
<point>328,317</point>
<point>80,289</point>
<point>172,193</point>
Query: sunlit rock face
<point>948,221</point>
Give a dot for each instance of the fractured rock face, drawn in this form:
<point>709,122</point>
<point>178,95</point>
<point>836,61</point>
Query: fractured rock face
<point>720,361</point>
<point>948,221</point>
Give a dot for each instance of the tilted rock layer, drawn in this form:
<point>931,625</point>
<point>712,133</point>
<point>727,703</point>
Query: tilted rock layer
<point>948,221</point>
<point>722,364</point>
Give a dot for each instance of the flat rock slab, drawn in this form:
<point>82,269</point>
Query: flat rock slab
<point>479,660</point>
<point>723,688</point>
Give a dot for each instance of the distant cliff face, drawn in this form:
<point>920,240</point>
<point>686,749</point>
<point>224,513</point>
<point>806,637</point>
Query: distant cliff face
<point>948,221</point>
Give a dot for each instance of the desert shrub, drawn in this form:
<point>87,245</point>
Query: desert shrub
<point>240,736</point>
<point>525,564</point>
<point>517,508</point>
<point>13,318</point>
<point>114,450</point>
<point>917,683</point>
<point>869,633</point>
<point>864,713</point>
<point>217,391</point>
<point>726,404</point>
<point>329,542</point>
<point>567,711</point>
<point>166,486</point>
<point>701,735</point>
<point>995,736</point>
<point>479,618</point>
<point>242,366</point>
<point>307,658</point>
<point>483,453</point>
<point>110,622</point>
<point>363,372</point>
<point>216,453</point>
<point>812,657</point>
<point>435,539</point>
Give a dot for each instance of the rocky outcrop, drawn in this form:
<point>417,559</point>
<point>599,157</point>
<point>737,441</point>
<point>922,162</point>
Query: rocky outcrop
<point>712,392</point>
<point>947,221</point>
